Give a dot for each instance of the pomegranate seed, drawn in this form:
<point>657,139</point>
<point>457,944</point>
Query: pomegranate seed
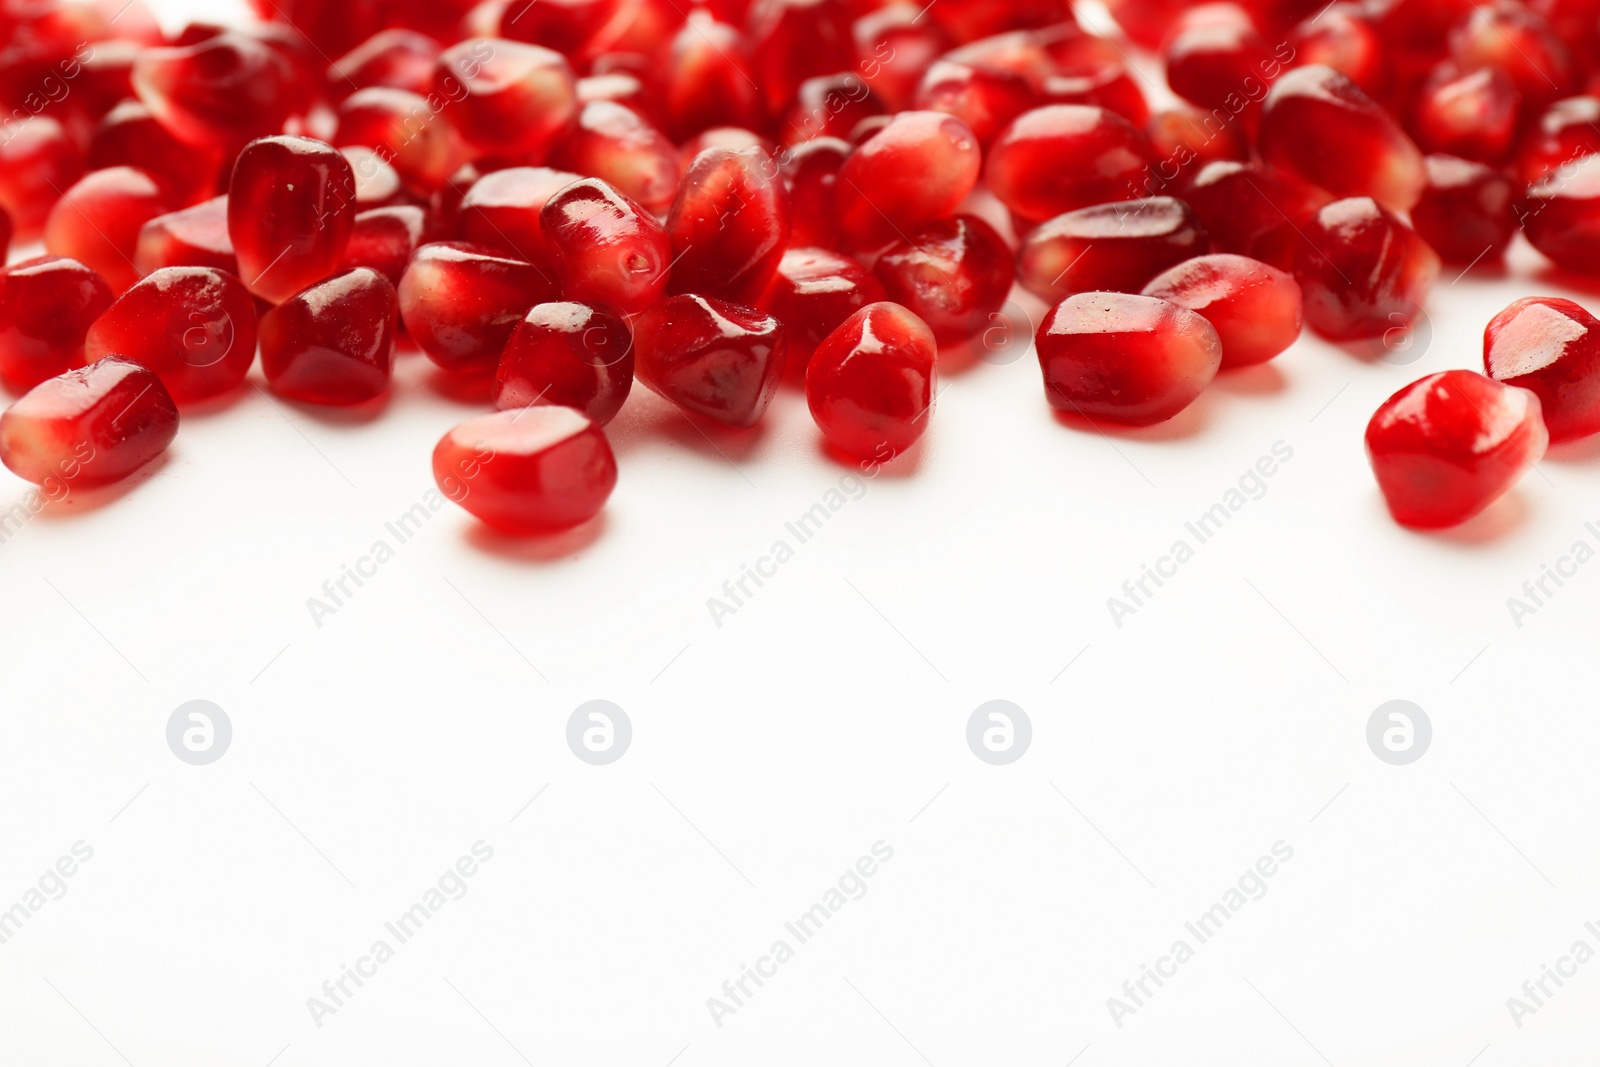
<point>1566,131</point>
<point>38,159</point>
<point>513,99</point>
<point>871,382</point>
<point>1183,141</point>
<point>1447,446</point>
<point>573,355</point>
<point>460,303</point>
<point>1415,36</point>
<point>408,131</point>
<point>332,28</point>
<point>385,239</point>
<point>195,327</point>
<point>46,307</point>
<point>792,40</point>
<point>812,170</point>
<point>130,136</point>
<point>1146,21</point>
<point>220,92</point>
<point>1109,247</point>
<point>1065,156</point>
<point>1343,37</point>
<point>389,59</point>
<point>1318,125</point>
<point>814,292</point>
<point>564,25</point>
<point>89,427</point>
<point>986,100</point>
<point>441,21</point>
<point>728,225</point>
<point>1253,210</point>
<point>710,79</point>
<point>1128,359</point>
<point>1364,272</point>
<point>194,237</point>
<point>895,45</point>
<point>609,250</point>
<point>1215,52</point>
<point>1518,41</point>
<point>953,274</point>
<point>377,183</point>
<point>332,343</point>
<point>291,207</point>
<point>710,357</point>
<point>1472,114</point>
<point>918,168</point>
<point>968,20</point>
<point>1561,215</point>
<point>1467,211</point>
<point>526,472</point>
<point>615,144</point>
<point>1108,85</point>
<point>729,138</point>
<point>501,211</point>
<point>830,106</point>
<point>621,87</point>
<point>98,220</point>
<point>1550,347</point>
<point>1256,309</point>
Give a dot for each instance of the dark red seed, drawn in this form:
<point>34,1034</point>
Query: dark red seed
<point>1560,213</point>
<point>1565,132</point>
<point>710,79</point>
<point>615,144</point>
<point>953,274</point>
<point>918,168</point>
<point>88,427</point>
<point>1182,141</point>
<point>1509,36</point>
<point>968,20</point>
<point>609,250</point>
<point>1256,309</point>
<point>729,225</point>
<point>1467,211</point>
<point>895,46</point>
<point>987,100</point>
<point>710,357</point>
<point>1471,114</point>
<point>1363,271</point>
<point>1253,210</point>
<point>792,40</point>
<point>813,293</point>
<point>194,237</point>
<point>332,343</point>
<point>130,136</point>
<point>1109,247</point>
<point>98,220</point>
<point>391,59</point>
<point>1214,53</point>
<point>512,99</point>
<point>39,159</point>
<point>1550,346</point>
<point>1064,157</point>
<point>811,171</point>
<point>829,106</point>
<point>573,355</point>
<point>415,134</point>
<point>460,303</point>
<point>501,210</point>
<point>291,207</point>
<point>1343,36</point>
<point>385,239</point>
<point>871,383</point>
<point>220,92</point>
<point>46,308</point>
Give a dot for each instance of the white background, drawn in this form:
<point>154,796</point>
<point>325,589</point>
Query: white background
<point>827,714</point>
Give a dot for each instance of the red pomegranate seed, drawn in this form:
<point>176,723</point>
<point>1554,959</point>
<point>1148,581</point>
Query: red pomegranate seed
<point>1063,157</point>
<point>98,220</point>
<point>1565,132</point>
<point>291,207</point>
<point>565,25</point>
<point>1318,125</point>
<point>613,143</point>
<point>460,303</point>
<point>811,171</point>
<point>1509,36</point>
<point>385,239</point>
<point>1415,35</point>
<point>130,136</point>
<point>441,21</point>
<point>625,88</point>
<point>871,383</point>
<point>728,225</point>
<point>710,357</point>
<point>1256,309</point>
<point>501,211</point>
<point>729,138</point>
<point>792,40</point>
<point>829,106</point>
<point>1364,272</point>
<point>1447,446</point>
<point>88,427</point>
<point>332,343</point>
<point>573,355</point>
<point>194,237</point>
<point>195,327</point>
<point>1183,141</point>
<point>918,168</point>
<point>710,79</point>
<point>220,92</point>
<point>46,307</point>
<point>1560,213</point>
<point>1467,211</point>
<point>38,159</point>
<point>332,28</point>
<point>609,250</point>
<point>1253,210</point>
<point>527,472</point>
<point>377,183</point>
<point>390,59</point>
<point>895,45</point>
<point>1146,21</point>
<point>1109,247</point>
<point>987,100</point>
<point>413,133</point>
<point>1215,54</point>
<point>968,20</point>
<point>1550,347</point>
<point>814,292</point>
<point>1128,359</point>
<point>1344,37</point>
<point>1472,114</point>
<point>511,99</point>
<point>1109,85</point>
<point>953,274</point>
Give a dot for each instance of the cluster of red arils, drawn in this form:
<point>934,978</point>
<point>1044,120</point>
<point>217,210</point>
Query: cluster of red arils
<point>553,198</point>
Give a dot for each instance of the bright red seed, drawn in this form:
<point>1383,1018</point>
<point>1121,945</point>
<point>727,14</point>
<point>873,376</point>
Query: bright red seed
<point>195,327</point>
<point>130,136</point>
<point>987,100</point>
<point>1447,446</point>
<point>968,20</point>
<point>710,357</point>
<point>194,237</point>
<point>1560,213</point>
<point>1256,309</point>
<point>792,40</point>
<point>377,183</point>
<point>918,168</point>
<point>1128,359</point>
<point>1064,157</point>
<point>1364,272</point>
<point>220,92</point>
<point>729,225</point>
<point>1183,141</point>
<point>1508,35</point>
<point>291,207</point>
<point>1253,210</point>
<point>609,250</point>
<point>571,355</point>
<point>871,383</point>
<point>1551,347</point>
<point>46,308</point>
<point>1214,54</point>
<point>1565,132</point>
<point>1114,247</point>
<point>98,220</point>
<point>1343,36</point>
<point>829,106</point>
<point>460,303</point>
<point>501,211</point>
<point>1471,114</point>
<point>415,134</point>
<point>527,472</point>
<point>391,59</point>
<point>811,170</point>
<point>89,427</point>
<point>38,159</point>
<point>1467,211</point>
<point>710,79</point>
<point>385,239</point>
<point>814,292</point>
<point>953,274</point>
<point>617,145</point>
<point>510,99</point>
<point>332,343</point>
<point>895,46</point>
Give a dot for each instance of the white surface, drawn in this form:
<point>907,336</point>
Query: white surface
<point>826,715</point>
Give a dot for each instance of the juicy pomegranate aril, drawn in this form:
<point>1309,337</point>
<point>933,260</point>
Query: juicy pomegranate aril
<point>571,355</point>
<point>221,92</point>
<point>1550,347</point>
<point>1064,157</point>
<point>1256,309</point>
<point>814,292</point>
<point>729,225</point>
<point>333,343</point>
<point>871,383</point>
<point>46,308</point>
<point>98,220</point>
<point>512,99</point>
<point>460,303</point>
<point>710,357</point>
<point>954,274</point>
<point>291,208</point>
<point>609,250</point>
<point>89,427</point>
<point>1364,273</point>
<point>918,168</point>
<point>1108,247</point>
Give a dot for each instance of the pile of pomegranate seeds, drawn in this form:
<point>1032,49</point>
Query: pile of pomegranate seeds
<point>722,196</point>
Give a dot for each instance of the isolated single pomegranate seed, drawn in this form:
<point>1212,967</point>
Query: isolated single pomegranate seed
<point>39,160</point>
<point>46,307</point>
<point>220,92</point>
<point>531,471</point>
<point>1182,141</point>
<point>792,40</point>
<point>1471,114</point>
<point>710,79</point>
<point>414,134</point>
<point>813,293</point>
<point>1065,156</point>
<point>894,46</point>
<point>390,59</point>
<point>811,170</point>
<point>1550,347</point>
<point>953,274</point>
<point>194,237</point>
<point>573,355</point>
<point>385,239</point>
<point>1128,359</point>
<point>98,220</point>
<point>1214,54</point>
<point>1565,132</point>
<point>1364,272</point>
<point>711,357</point>
<point>501,210</point>
<point>729,225</point>
<point>460,303</point>
<point>1560,213</point>
<point>291,207</point>
<point>1114,247</point>
<point>1447,446</point>
<point>918,168</point>
<point>609,250</point>
<point>871,382</point>
<point>1256,309</point>
<point>130,136</point>
<point>195,327</point>
<point>512,99</point>
<point>1343,36</point>
<point>88,427</point>
<point>1507,35</point>
<point>1467,211</point>
<point>1318,125</point>
<point>615,144</point>
<point>332,343</point>
<point>1253,210</point>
